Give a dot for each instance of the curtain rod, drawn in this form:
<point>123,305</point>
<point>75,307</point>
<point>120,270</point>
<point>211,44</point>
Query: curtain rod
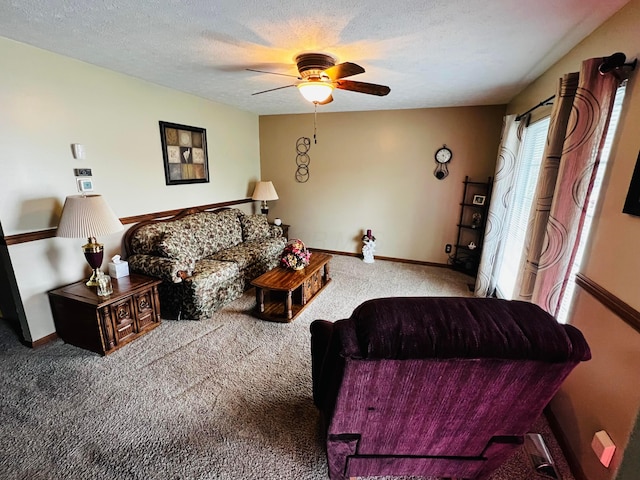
<point>609,64</point>
<point>541,104</point>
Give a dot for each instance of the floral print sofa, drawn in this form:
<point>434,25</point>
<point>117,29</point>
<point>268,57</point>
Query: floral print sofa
<point>206,259</point>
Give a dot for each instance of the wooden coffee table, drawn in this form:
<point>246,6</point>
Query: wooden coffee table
<point>282,294</point>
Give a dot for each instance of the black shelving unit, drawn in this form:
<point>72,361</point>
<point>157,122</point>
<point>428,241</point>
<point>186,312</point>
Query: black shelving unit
<point>474,208</point>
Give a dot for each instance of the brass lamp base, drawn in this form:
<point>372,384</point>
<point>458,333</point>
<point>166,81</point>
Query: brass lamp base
<point>93,252</point>
<point>93,279</point>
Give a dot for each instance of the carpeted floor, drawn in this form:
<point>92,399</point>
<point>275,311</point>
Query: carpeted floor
<point>224,398</point>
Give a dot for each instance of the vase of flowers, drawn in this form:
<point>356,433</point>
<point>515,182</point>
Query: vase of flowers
<point>295,255</point>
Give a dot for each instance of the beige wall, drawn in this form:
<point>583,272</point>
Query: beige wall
<point>49,102</point>
<point>603,394</point>
<point>374,170</point>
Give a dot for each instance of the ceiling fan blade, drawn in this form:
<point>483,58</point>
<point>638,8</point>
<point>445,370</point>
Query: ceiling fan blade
<point>362,87</point>
<point>272,73</point>
<point>342,70</point>
<point>328,100</point>
<point>273,89</point>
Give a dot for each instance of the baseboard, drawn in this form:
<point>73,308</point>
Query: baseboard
<point>387,259</point>
<point>563,442</point>
<point>42,341</point>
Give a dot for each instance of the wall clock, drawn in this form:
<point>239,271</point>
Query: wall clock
<point>443,157</point>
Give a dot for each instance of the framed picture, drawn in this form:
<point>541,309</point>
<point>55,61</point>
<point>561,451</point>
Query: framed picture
<point>184,150</point>
<point>479,199</point>
<point>632,203</point>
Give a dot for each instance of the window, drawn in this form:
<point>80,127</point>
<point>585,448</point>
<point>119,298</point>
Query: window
<point>529,161</point>
<point>530,158</point>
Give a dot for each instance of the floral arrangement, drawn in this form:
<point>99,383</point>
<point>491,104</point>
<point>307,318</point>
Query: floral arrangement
<point>295,255</point>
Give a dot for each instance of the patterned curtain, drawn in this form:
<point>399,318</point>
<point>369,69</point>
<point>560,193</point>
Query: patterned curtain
<point>547,177</point>
<point>510,142</point>
<point>577,132</point>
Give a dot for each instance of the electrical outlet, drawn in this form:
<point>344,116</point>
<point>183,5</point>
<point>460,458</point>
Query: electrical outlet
<point>82,172</point>
<point>447,248</point>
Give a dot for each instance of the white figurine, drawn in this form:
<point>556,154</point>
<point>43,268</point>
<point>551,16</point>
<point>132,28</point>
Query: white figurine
<point>369,247</point>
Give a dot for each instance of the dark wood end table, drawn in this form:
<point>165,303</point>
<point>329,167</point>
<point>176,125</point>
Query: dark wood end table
<point>104,324</point>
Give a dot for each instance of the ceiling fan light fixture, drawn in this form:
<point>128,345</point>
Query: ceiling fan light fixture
<point>315,92</point>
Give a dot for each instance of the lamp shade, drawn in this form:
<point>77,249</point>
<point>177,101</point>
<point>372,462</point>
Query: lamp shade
<point>264,191</point>
<point>86,216</point>
<point>315,92</point>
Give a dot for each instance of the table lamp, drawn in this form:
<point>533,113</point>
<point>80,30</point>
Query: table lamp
<point>88,216</point>
<point>264,191</point>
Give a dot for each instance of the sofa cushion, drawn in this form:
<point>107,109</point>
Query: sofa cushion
<point>228,228</point>
<point>248,253</point>
<point>146,239</point>
<point>254,227</point>
<point>181,241</point>
<point>204,226</point>
<point>209,273</point>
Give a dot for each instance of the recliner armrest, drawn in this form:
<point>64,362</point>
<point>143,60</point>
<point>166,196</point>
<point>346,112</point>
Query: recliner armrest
<point>327,365</point>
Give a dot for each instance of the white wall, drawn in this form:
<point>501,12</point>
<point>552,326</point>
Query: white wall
<point>48,102</point>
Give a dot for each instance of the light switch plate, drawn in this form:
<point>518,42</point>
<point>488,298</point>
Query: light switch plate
<point>78,151</point>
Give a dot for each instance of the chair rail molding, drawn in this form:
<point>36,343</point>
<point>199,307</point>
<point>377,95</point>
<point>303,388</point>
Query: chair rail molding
<point>51,232</point>
<point>625,311</point>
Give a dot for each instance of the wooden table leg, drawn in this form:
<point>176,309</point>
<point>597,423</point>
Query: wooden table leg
<point>260,299</point>
<point>327,276</point>
<point>288,305</point>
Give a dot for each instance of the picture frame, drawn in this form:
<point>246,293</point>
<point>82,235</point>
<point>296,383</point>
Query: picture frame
<point>479,200</point>
<point>184,151</point>
<point>632,202</point>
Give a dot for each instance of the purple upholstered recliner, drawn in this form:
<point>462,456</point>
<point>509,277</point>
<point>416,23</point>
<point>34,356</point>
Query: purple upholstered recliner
<point>442,387</point>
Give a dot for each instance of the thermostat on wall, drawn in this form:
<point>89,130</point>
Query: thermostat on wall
<point>85,185</point>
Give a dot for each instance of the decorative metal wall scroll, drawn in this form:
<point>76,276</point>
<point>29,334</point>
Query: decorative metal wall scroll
<point>302,159</point>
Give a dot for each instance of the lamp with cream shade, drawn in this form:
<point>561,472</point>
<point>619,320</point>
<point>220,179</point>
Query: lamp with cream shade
<point>264,191</point>
<point>87,216</point>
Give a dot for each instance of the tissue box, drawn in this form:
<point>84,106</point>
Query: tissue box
<point>117,270</point>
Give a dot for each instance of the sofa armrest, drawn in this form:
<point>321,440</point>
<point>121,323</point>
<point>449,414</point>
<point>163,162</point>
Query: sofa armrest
<point>275,231</point>
<point>168,269</point>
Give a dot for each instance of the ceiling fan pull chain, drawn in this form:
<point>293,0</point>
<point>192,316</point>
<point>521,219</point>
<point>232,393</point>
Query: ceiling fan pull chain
<point>315,118</point>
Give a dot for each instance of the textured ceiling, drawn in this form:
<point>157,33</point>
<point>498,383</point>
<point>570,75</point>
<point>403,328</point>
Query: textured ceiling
<point>431,53</point>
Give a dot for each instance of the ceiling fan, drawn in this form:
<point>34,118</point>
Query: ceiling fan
<point>319,75</point>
